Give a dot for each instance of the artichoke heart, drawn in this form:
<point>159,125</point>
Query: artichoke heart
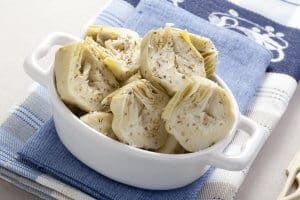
<point>118,48</point>
<point>137,109</point>
<point>81,79</point>
<point>100,121</point>
<point>200,114</point>
<point>169,58</point>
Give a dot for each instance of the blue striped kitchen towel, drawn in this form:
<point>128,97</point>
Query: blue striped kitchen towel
<point>282,41</point>
<point>242,64</point>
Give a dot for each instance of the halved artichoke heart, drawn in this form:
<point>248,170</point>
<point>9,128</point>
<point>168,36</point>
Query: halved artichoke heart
<point>137,109</point>
<point>169,57</point>
<point>118,48</point>
<point>199,114</point>
<point>81,79</point>
<point>100,121</point>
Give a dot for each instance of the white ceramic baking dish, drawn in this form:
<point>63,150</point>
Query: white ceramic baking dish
<point>127,164</point>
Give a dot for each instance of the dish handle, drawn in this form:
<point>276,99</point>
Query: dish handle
<point>249,152</point>
<point>31,65</point>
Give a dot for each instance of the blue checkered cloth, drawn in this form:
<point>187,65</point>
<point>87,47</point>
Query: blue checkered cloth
<point>242,65</point>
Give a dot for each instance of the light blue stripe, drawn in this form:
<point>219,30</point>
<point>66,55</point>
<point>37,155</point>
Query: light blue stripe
<point>108,12</point>
<point>112,17</point>
<point>118,9</point>
<point>12,164</point>
<point>24,118</point>
<point>30,115</point>
<point>105,21</point>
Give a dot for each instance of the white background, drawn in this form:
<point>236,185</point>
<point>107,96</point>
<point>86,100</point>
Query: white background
<point>23,24</point>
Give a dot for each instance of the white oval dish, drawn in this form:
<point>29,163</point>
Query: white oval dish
<point>130,165</point>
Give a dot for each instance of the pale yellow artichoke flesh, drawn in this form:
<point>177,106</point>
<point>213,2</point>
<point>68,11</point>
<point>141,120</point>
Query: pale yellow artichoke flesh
<point>207,49</point>
<point>118,48</point>
<point>105,103</point>
<point>100,121</point>
<point>171,146</point>
<point>107,100</point>
<point>137,109</point>
<point>132,78</point>
<point>81,79</point>
<point>169,59</point>
<point>200,114</point>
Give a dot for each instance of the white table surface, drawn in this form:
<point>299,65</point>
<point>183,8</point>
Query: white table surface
<point>25,23</point>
